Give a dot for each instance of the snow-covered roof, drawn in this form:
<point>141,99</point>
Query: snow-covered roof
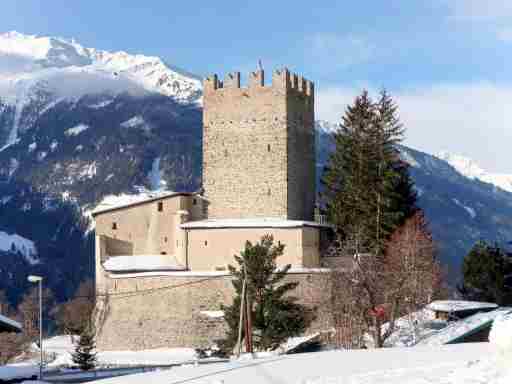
<point>465,327</point>
<point>114,202</point>
<point>133,263</point>
<point>261,222</point>
<point>8,325</point>
<point>459,305</point>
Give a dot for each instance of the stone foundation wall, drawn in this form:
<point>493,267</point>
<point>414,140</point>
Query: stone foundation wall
<point>166,311</point>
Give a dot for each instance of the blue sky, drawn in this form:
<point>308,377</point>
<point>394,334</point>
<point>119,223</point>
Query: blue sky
<point>447,62</point>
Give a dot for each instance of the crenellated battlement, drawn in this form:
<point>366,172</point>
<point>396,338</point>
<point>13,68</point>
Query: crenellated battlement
<point>281,79</point>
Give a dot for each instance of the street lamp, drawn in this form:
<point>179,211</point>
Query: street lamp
<point>39,280</point>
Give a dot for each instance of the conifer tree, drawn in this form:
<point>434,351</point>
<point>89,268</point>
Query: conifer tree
<point>275,314</point>
<point>485,269</point>
<point>368,191</point>
<point>84,354</point>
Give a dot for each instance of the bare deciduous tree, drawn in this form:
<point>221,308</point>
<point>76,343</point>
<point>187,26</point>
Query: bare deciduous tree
<point>75,315</point>
<point>378,289</point>
<point>11,344</point>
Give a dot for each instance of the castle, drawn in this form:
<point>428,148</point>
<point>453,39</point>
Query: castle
<point>161,263</point>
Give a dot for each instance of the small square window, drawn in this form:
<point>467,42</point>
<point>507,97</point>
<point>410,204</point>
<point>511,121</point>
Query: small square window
<point>114,225</point>
<point>160,206</point>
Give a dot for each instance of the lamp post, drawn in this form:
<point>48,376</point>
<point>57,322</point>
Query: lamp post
<point>39,280</point>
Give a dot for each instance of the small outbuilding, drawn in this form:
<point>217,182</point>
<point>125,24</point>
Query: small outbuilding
<point>9,325</point>
<point>453,310</point>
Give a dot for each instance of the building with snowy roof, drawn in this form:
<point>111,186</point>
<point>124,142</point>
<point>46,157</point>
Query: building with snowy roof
<point>452,310</point>
<point>9,325</point>
<point>258,179</point>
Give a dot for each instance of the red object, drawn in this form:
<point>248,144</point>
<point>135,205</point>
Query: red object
<point>378,312</point>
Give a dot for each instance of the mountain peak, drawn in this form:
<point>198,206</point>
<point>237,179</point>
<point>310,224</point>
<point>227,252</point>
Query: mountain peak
<point>470,168</point>
<point>50,60</point>
<point>464,165</point>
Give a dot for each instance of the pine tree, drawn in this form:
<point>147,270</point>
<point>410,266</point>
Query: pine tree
<point>368,189</point>
<point>84,354</point>
<point>485,269</point>
<point>275,314</point>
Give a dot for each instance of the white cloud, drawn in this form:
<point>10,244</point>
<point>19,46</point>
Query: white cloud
<point>480,9</point>
<point>492,15</point>
<point>505,35</point>
<point>332,51</point>
<point>469,119</point>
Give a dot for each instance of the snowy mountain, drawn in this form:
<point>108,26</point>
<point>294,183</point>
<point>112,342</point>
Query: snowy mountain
<point>46,70</point>
<point>27,58</point>
<point>469,168</point>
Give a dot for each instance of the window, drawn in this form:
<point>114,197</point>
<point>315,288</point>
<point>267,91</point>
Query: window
<point>225,153</point>
<point>160,206</point>
<point>268,192</point>
<point>194,202</point>
<point>268,147</point>
<point>163,253</point>
<point>114,225</point>
<point>206,243</point>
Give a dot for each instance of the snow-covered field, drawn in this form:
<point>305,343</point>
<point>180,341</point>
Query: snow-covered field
<point>471,363</point>
<point>387,366</point>
<point>62,347</point>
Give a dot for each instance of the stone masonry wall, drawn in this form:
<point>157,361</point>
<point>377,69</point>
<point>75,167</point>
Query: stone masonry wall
<point>134,318</point>
<point>258,146</point>
<point>301,163</point>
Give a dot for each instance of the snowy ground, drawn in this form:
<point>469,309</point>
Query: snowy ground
<point>447,365</point>
<point>471,363</point>
<point>60,348</point>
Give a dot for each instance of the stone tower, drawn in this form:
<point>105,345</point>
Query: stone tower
<point>259,146</point>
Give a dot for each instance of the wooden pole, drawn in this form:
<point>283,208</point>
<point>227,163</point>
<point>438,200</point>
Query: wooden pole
<point>239,342</point>
<point>248,330</point>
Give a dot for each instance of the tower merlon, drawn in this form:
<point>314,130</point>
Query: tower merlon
<point>211,83</point>
<point>310,88</point>
<point>294,81</point>
<point>281,79</point>
<point>232,80</point>
<point>257,78</point>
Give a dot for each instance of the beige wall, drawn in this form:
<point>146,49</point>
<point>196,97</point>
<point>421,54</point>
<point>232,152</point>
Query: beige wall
<point>258,147</point>
<point>143,230</point>
<point>310,247</point>
<point>214,248</point>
